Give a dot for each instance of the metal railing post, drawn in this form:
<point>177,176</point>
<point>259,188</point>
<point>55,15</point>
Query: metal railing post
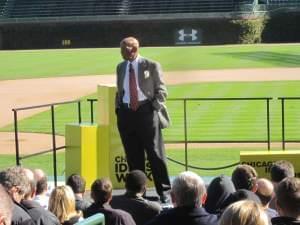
<point>268,123</point>
<point>282,124</point>
<point>54,145</point>
<point>16,137</point>
<point>79,112</point>
<point>185,135</point>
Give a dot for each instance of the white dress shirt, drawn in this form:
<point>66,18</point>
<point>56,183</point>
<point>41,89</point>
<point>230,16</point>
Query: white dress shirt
<point>135,66</point>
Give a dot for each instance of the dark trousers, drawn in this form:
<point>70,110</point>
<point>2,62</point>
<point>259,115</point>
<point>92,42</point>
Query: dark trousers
<point>140,132</point>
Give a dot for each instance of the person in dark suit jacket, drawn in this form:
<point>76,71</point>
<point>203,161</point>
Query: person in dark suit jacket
<point>188,194</point>
<point>77,183</point>
<point>140,121</point>
<point>39,215</point>
<point>141,209</point>
<point>101,193</point>
<point>15,182</point>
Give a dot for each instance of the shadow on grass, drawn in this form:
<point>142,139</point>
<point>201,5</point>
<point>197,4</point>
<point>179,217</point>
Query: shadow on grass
<point>271,58</point>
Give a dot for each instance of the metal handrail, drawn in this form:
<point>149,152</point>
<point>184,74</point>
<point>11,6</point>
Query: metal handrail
<point>54,148</point>
<point>186,141</point>
<point>283,119</point>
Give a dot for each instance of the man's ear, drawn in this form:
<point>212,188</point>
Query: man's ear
<point>203,198</point>
<point>173,199</point>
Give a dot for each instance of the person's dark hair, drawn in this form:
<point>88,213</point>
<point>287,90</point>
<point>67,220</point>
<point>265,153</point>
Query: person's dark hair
<point>41,185</point>
<point>6,206</point>
<point>281,169</point>
<point>135,181</point>
<point>101,190</point>
<point>288,196</point>
<point>77,183</point>
<point>244,177</point>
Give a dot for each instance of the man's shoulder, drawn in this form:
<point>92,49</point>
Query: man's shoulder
<point>136,202</point>
<point>179,215</point>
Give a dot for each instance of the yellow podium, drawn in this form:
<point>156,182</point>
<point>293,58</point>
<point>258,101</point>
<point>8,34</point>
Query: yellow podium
<point>81,151</point>
<point>262,160</point>
<point>96,151</point>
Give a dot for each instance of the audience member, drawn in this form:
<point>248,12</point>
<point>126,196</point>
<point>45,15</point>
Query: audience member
<point>41,196</point>
<point>288,202</point>
<point>16,184</point>
<point>243,194</point>
<point>218,192</point>
<point>188,194</point>
<point>244,177</point>
<point>265,192</point>
<point>278,171</point>
<point>101,193</point>
<point>6,207</point>
<point>244,212</point>
<point>62,205</point>
<point>39,215</point>
<point>77,183</point>
<point>133,202</point>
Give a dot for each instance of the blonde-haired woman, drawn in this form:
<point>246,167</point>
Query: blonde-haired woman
<point>62,205</point>
<point>244,212</point>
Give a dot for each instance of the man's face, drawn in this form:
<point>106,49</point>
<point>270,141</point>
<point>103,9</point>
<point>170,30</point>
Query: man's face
<point>129,52</point>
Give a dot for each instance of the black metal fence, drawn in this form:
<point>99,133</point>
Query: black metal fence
<point>54,147</point>
<point>186,141</point>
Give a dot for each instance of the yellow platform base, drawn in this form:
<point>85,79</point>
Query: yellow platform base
<point>81,151</point>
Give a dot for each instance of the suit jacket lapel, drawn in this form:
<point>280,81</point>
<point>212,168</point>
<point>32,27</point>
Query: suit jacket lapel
<point>141,70</point>
<point>122,75</point>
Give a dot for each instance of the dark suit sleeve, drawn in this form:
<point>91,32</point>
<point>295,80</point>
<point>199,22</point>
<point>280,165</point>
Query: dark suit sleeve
<point>160,90</point>
<point>117,98</point>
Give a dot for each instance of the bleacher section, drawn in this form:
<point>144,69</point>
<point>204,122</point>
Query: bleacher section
<point>60,8</point>
<point>2,7</point>
<point>65,8</point>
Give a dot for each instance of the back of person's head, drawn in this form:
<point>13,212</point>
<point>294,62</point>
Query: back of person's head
<point>288,197</point>
<point>62,203</point>
<point>6,207</point>
<point>30,175</point>
<point>280,170</point>
<point>244,177</point>
<point>101,191</point>
<point>41,181</point>
<point>218,191</point>
<point>265,191</point>
<point>188,189</point>
<point>244,212</point>
<point>15,182</point>
<point>77,183</point>
<point>136,181</point>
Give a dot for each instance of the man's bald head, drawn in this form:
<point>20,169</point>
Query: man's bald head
<point>265,190</point>
<point>39,174</point>
<point>129,48</point>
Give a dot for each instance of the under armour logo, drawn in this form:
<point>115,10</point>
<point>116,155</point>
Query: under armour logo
<point>183,35</point>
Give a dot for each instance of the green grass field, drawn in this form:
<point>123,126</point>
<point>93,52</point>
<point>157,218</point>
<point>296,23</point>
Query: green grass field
<point>207,120</point>
<point>75,62</point>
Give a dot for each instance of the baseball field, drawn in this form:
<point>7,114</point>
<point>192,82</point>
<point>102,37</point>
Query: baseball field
<point>240,71</point>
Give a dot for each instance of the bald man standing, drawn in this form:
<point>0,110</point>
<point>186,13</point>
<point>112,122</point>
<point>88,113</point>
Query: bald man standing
<point>140,98</point>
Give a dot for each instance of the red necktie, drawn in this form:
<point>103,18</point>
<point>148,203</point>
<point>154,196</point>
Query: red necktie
<point>133,89</point>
